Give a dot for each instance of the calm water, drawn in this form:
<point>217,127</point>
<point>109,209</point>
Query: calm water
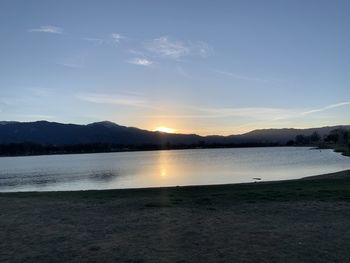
<point>164,168</point>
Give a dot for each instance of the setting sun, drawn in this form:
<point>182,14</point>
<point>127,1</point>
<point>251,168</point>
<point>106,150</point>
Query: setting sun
<point>164,129</point>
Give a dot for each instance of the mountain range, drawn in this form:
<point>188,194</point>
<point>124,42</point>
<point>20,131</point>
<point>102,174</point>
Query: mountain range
<point>105,132</point>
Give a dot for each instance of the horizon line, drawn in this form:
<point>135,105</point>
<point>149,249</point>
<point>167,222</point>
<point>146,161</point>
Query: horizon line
<point>257,129</point>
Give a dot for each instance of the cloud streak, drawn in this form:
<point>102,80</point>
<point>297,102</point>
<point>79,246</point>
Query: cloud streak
<point>256,113</point>
<point>121,100</point>
<point>140,62</point>
<point>239,76</point>
<point>75,61</point>
<point>47,29</point>
<point>165,47</point>
<point>328,107</point>
<point>300,113</point>
<point>117,37</point>
<point>95,41</point>
<point>113,39</point>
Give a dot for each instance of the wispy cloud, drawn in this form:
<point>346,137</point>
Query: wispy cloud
<point>202,48</point>
<point>152,51</point>
<point>328,107</point>
<point>140,61</point>
<point>252,112</point>
<point>70,65</point>
<point>47,29</point>
<point>117,37</point>
<point>137,52</point>
<point>239,76</point>
<point>166,47</point>
<point>132,101</point>
<point>295,114</point>
<point>75,61</point>
<point>95,41</point>
<point>112,39</point>
<point>256,113</point>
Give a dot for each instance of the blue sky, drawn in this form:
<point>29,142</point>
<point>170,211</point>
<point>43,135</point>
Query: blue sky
<point>207,67</point>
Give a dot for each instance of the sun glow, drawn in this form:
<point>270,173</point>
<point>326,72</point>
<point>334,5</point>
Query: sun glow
<point>165,129</point>
<point>163,172</point>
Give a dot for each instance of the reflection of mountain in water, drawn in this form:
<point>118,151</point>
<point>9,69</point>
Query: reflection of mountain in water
<point>102,176</point>
<point>43,179</point>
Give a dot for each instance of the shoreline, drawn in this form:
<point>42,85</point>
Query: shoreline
<point>150,150</point>
<point>343,174</point>
<point>275,221</point>
<point>343,149</point>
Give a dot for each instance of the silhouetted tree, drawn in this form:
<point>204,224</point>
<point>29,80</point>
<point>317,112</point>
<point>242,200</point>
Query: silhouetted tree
<point>332,138</point>
<point>314,137</point>
<point>290,143</point>
<point>301,139</point>
<point>338,136</point>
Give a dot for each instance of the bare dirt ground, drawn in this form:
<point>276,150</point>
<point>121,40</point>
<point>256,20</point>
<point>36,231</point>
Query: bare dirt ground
<point>293,221</point>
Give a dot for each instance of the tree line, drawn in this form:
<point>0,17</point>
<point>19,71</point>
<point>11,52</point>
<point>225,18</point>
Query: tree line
<point>339,136</point>
<point>18,149</point>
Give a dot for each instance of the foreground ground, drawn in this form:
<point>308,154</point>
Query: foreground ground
<point>294,221</point>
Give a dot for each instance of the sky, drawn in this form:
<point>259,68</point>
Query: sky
<point>205,67</point>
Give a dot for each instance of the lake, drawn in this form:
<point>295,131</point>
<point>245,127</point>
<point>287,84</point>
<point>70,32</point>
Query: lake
<point>164,168</point>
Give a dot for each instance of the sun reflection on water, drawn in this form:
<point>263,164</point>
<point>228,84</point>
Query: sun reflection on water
<point>163,163</point>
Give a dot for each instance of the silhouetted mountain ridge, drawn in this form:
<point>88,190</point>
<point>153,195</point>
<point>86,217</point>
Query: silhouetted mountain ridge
<point>106,132</point>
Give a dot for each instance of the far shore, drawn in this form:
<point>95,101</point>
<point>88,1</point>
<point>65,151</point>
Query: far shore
<point>303,220</point>
<point>343,149</point>
<point>123,150</point>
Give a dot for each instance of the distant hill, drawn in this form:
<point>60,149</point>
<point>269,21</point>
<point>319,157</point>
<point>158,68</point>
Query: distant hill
<point>44,132</point>
<point>282,135</point>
